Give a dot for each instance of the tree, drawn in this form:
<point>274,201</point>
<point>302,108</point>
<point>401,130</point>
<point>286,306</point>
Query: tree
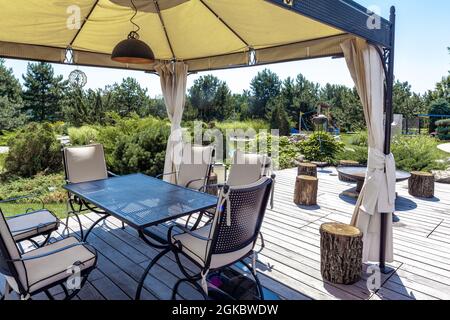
<point>129,97</point>
<point>438,107</point>
<point>86,107</point>
<point>346,109</point>
<point>11,103</point>
<point>264,87</point>
<point>43,93</point>
<point>278,116</point>
<point>211,97</point>
<point>10,114</point>
<point>9,85</point>
<point>300,96</point>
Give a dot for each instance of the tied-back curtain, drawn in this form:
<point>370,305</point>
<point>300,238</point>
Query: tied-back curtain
<point>378,193</point>
<point>173,77</point>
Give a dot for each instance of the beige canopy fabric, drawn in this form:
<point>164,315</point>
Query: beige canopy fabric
<point>205,34</point>
<point>173,76</point>
<point>378,193</point>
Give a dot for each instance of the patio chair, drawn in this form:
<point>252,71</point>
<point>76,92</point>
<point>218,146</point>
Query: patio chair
<point>230,238</point>
<point>82,164</point>
<point>67,263</point>
<point>250,167</point>
<point>32,223</point>
<point>195,167</point>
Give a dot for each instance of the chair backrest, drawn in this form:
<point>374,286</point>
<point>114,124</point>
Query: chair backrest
<point>248,206</point>
<point>195,166</point>
<point>8,252</point>
<point>248,168</point>
<point>86,163</point>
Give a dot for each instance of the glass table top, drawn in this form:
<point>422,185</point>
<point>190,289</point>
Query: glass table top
<point>142,201</point>
<point>359,173</point>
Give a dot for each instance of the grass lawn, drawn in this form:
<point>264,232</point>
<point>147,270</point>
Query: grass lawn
<point>11,209</point>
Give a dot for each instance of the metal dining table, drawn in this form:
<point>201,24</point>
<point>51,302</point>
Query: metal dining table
<point>141,202</point>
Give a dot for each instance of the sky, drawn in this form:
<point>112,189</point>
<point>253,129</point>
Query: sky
<point>422,58</point>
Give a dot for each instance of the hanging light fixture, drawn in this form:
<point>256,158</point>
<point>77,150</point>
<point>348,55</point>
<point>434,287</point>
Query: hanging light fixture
<point>132,50</point>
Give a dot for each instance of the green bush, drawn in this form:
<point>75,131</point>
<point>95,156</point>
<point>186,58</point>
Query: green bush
<point>46,187</point>
<point>34,150</point>
<point>321,146</point>
<point>418,153</point>
<point>82,136</point>
<point>443,129</point>
<point>354,153</point>
<point>361,139</point>
<point>135,145</point>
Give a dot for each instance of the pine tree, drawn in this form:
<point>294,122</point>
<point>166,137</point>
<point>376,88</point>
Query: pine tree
<point>43,92</point>
<point>11,103</point>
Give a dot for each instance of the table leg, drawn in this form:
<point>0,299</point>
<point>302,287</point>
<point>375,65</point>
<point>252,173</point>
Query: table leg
<point>93,226</point>
<point>147,270</point>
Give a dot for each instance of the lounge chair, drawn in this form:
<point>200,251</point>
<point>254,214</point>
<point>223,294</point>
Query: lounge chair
<point>67,263</point>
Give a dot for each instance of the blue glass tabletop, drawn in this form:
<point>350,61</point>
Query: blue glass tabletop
<point>142,201</point>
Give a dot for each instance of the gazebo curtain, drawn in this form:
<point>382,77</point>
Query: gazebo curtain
<point>378,193</point>
<point>173,77</point>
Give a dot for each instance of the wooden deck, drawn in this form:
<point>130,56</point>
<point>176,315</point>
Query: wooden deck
<point>289,266</point>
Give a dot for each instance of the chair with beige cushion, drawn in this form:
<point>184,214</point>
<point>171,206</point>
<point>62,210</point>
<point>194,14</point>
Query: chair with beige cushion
<point>33,223</point>
<point>67,262</point>
<point>82,164</point>
<point>228,239</point>
<point>194,168</point>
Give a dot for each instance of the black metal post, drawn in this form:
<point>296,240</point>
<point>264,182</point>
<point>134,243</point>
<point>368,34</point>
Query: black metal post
<point>388,129</point>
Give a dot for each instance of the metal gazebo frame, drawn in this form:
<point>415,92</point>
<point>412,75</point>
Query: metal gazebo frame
<point>346,15</point>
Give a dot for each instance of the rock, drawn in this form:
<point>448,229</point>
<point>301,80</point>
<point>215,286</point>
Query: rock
<point>442,176</point>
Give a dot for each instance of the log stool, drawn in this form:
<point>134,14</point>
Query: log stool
<point>306,190</point>
<point>347,163</point>
<point>307,169</point>
<point>421,184</point>
<point>341,249</point>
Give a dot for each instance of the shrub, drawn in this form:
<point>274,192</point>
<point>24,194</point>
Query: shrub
<point>417,153</point>
<point>443,129</point>
<point>360,139</point>
<point>46,187</point>
<point>34,150</point>
<point>439,107</point>
<point>354,153</point>
<point>321,146</point>
<point>135,145</point>
<point>82,136</point>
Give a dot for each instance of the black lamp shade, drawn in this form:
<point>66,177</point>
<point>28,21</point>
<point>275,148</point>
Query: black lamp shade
<point>133,51</point>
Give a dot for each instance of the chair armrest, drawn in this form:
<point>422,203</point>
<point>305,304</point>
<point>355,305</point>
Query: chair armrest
<point>186,230</point>
<point>218,185</point>
<point>30,196</point>
<point>112,174</point>
<point>192,181</point>
<point>90,248</point>
<point>164,174</point>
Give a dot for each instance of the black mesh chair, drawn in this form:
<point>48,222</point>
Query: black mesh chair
<point>230,238</point>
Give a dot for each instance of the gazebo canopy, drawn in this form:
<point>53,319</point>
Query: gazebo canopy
<point>205,34</point>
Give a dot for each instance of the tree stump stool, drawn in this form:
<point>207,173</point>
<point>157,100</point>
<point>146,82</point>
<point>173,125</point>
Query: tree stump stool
<point>306,190</point>
<point>341,249</point>
<point>347,163</point>
<point>212,180</point>
<point>307,169</point>
<point>421,185</point>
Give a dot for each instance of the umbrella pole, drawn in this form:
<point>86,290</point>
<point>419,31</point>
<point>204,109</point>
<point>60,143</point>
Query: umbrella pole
<point>388,129</point>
